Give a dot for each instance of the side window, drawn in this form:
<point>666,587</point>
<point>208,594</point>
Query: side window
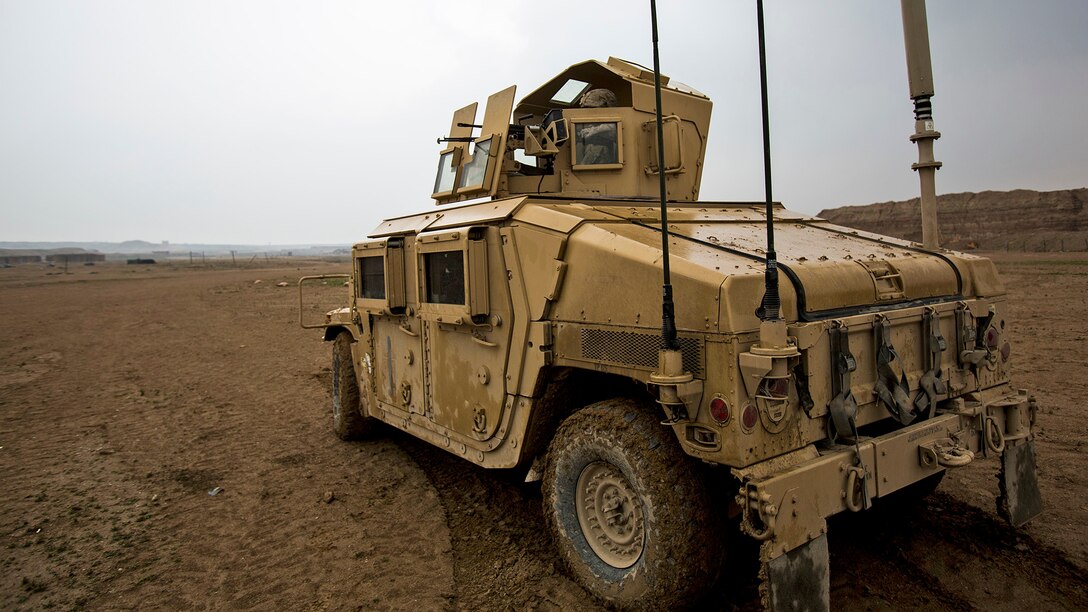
<point>371,277</point>
<point>597,143</point>
<point>445,277</point>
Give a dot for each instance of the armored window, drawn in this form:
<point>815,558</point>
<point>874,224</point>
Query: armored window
<point>475,170</point>
<point>597,143</point>
<point>447,171</point>
<point>570,91</point>
<point>370,277</point>
<point>445,277</point>
<point>554,126</point>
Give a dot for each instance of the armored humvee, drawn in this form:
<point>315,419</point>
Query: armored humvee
<point>523,331</point>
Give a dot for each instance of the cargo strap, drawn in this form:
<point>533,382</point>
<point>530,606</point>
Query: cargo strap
<point>843,406</point>
<point>804,396</point>
<point>892,387</point>
<point>931,384</point>
<point>970,349</point>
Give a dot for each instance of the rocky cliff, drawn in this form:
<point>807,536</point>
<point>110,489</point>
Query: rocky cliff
<point>1020,220</point>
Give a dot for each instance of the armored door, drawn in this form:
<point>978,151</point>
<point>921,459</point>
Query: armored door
<point>394,364</point>
<point>465,310</point>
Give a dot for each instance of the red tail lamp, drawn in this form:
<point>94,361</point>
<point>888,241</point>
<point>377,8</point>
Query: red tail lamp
<point>749,417</point>
<point>719,410</point>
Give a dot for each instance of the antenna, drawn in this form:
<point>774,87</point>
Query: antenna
<point>767,362</point>
<point>673,382</point>
<point>668,314</point>
<point>769,310</point>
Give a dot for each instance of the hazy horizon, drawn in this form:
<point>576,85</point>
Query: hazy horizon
<point>291,123</point>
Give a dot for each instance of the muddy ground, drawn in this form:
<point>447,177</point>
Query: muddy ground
<point>127,393</point>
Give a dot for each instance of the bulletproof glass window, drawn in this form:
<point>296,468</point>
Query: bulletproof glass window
<point>445,276</point>
<point>596,143</point>
<point>476,169</point>
<point>370,277</point>
<point>569,92</point>
<point>554,126</point>
<point>447,171</point>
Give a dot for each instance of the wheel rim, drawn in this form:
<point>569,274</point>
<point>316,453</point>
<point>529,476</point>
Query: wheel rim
<point>610,515</point>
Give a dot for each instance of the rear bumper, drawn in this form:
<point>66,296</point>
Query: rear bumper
<point>785,501</point>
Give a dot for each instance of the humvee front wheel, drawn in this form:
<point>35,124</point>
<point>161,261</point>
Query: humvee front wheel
<point>628,511</point>
<point>349,418</point>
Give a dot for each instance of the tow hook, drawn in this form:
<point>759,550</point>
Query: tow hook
<point>758,513</point>
<point>856,496</point>
<point>943,453</point>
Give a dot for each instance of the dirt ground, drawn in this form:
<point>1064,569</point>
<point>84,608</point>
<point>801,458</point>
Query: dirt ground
<point>127,393</point>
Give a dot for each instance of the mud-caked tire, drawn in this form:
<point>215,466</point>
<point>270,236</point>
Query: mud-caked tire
<point>630,513</point>
<point>349,416</point>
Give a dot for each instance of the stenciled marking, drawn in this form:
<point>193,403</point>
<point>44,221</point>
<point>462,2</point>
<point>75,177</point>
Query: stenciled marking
<point>923,433</point>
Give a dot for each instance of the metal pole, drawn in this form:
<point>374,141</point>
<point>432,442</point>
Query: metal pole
<point>668,315</point>
<point>920,77</point>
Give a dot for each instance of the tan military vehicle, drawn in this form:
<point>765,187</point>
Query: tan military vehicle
<point>523,331</point>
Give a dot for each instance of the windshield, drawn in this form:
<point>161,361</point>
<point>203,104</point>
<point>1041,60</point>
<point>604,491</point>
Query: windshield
<point>474,171</point>
<point>443,183</point>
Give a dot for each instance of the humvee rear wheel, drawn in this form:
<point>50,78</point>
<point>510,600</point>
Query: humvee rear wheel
<point>628,511</point>
<point>349,419</point>
<point>610,514</point>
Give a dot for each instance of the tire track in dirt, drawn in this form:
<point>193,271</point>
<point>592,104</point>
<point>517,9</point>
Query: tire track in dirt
<point>503,556</point>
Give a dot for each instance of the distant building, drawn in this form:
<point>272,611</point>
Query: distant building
<point>59,258</point>
<point>19,259</point>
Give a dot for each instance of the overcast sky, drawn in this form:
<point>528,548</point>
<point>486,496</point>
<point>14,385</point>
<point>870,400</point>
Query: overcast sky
<point>308,122</point>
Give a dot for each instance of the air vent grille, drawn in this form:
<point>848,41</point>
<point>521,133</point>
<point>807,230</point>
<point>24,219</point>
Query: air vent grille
<point>638,350</point>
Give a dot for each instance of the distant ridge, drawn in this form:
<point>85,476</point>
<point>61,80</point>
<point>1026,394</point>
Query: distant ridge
<point>142,247</point>
<point>1019,220</point>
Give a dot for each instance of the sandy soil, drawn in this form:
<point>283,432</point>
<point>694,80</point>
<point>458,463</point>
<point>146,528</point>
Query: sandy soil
<point>127,393</point>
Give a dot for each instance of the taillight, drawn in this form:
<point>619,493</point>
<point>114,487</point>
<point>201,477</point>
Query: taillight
<point>719,410</point>
<point>749,417</point>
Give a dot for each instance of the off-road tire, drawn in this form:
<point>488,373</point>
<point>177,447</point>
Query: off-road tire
<point>349,418</point>
<point>682,543</point>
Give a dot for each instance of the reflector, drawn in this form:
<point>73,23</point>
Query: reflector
<point>719,409</point>
<point>749,417</point>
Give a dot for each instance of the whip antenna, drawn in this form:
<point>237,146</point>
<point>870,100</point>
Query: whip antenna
<point>672,380</point>
<point>769,311</point>
<point>668,314</point>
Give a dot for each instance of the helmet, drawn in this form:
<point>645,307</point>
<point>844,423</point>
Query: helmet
<point>597,98</point>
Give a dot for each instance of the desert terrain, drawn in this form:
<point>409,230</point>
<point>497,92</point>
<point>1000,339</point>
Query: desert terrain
<point>127,393</point>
